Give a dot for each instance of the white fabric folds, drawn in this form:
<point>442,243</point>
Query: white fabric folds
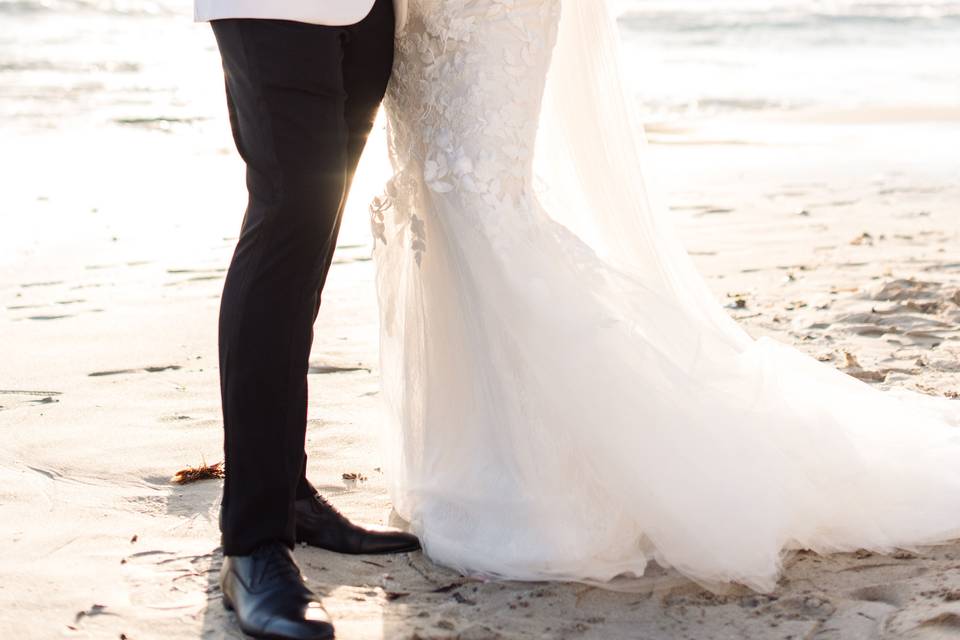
<point>567,401</point>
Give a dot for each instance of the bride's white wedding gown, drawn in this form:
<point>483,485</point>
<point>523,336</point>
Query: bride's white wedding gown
<point>567,400</point>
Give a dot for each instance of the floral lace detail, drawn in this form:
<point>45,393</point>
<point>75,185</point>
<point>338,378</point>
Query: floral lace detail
<point>454,129</point>
<point>401,183</point>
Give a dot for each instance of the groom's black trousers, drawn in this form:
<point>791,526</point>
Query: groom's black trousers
<point>302,99</point>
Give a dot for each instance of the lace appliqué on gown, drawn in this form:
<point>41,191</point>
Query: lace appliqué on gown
<point>452,95</point>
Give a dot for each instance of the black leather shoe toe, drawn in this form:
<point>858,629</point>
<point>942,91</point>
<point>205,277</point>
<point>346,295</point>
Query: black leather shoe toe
<point>267,592</point>
<point>319,524</point>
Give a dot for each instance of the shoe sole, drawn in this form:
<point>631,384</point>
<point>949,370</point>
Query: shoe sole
<point>265,636</point>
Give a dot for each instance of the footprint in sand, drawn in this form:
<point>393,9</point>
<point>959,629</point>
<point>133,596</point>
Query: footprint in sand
<point>202,275</point>
<point>325,368</point>
<point>48,316</point>
<point>885,593</point>
<point>177,417</point>
<point>193,279</point>
<point>117,372</point>
<point>713,211</point>
<point>13,398</point>
<point>352,260</point>
<point>924,312</point>
<point>219,270</point>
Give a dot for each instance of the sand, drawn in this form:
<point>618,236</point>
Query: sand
<point>836,233</point>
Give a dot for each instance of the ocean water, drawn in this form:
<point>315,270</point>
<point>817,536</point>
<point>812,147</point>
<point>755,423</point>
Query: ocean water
<point>143,63</point>
<point>707,57</point>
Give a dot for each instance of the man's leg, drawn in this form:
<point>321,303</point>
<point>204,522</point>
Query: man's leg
<point>287,96</point>
<point>367,63</point>
<point>291,117</point>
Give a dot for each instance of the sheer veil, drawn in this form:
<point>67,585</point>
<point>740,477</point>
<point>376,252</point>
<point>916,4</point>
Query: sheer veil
<point>591,158</point>
<point>822,432</point>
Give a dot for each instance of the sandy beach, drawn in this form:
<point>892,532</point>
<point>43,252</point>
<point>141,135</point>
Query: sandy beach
<point>110,293</point>
<point>837,231</point>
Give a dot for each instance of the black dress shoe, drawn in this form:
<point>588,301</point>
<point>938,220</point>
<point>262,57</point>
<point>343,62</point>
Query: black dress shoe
<point>319,524</point>
<point>270,598</point>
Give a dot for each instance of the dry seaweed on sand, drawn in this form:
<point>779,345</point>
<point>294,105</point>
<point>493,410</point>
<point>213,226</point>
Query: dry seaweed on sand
<point>194,474</point>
